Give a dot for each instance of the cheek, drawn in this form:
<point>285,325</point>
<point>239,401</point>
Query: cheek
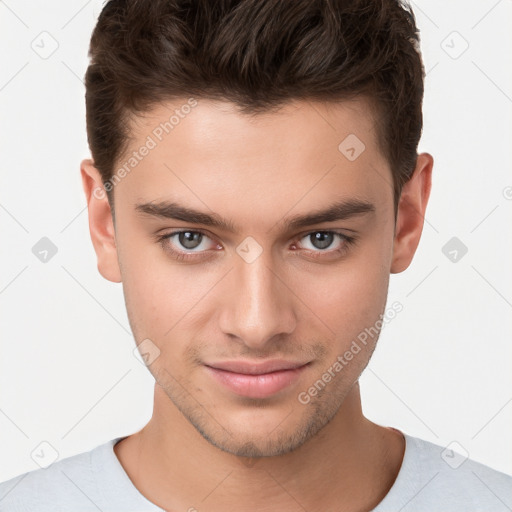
<point>163,299</point>
<point>349,303</point>
<point>346,298</point>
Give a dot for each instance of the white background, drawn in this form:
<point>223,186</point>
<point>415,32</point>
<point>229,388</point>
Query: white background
<point>442,369</point>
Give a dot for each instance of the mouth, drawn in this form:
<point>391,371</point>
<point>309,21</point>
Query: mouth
<point>256,379</point>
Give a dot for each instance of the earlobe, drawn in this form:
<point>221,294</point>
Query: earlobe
<point>101,225</point>
<point>411,213</point>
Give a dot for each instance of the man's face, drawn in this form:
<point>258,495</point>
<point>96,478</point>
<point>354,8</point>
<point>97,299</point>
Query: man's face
<point>266,289</point>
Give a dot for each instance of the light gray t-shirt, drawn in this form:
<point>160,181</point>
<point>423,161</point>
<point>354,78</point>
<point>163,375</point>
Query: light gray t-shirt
<point>428,481</point>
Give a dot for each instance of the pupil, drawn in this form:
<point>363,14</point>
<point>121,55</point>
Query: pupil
<point>189,239</point>
<point>321,240</point>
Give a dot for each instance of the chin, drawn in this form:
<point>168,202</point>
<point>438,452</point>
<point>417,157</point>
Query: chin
<point>262,432</point>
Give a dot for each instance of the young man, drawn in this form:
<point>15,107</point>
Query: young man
<point>254,183</point>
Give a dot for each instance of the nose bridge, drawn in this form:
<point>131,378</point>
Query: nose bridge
<point>258,306</point>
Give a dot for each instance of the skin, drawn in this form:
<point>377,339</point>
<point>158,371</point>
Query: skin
<point>206,447</point>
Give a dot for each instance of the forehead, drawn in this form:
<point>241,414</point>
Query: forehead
<point>208,154</point>
<point>199,125</point>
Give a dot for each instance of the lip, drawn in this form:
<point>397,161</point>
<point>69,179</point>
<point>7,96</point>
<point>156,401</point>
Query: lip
<point>256,379</point>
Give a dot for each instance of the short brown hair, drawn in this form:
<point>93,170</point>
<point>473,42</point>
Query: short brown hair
<point>258,54</point>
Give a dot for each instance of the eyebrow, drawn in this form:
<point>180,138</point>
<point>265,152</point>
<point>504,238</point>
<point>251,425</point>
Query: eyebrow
<point>340,210</point>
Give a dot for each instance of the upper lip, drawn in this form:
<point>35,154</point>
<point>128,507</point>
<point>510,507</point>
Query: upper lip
<point>256,368</point>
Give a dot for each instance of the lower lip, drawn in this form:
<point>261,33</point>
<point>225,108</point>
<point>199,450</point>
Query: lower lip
<point>256,386</point>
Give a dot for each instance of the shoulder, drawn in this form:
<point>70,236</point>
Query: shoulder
<point>433,477</point>
<point>83,482</point>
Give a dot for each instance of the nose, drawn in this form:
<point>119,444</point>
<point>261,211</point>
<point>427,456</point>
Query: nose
<point>258,305</point>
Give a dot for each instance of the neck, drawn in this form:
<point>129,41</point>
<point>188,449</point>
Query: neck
<point>350,464</point>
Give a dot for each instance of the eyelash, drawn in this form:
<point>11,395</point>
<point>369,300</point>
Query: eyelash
<point>184,256</point>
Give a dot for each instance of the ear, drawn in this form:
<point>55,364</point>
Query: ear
<point>411,213</point>
<point>101,225</point>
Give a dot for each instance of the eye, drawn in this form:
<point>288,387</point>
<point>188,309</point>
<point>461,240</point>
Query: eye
<point>324,239</point>
<point>325,244</point>
<point>321,239</point>
<point>189,239</point>
<point>178,243</point>
<point>194,244</point>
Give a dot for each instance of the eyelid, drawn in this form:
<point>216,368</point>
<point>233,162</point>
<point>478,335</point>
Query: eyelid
<point>170,234</point>
<point>191,255</point>
<point>297,237</point>
<point>346,240</point>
